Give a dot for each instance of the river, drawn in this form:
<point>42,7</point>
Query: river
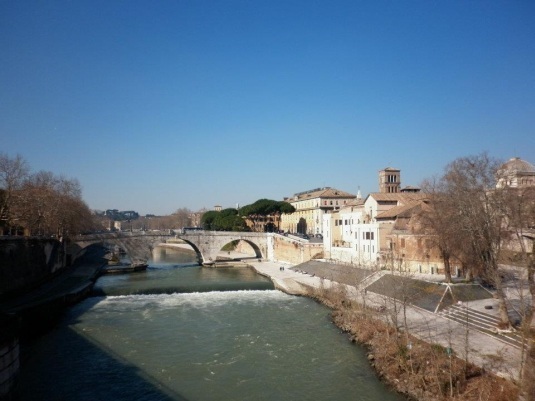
<point>182,332</point>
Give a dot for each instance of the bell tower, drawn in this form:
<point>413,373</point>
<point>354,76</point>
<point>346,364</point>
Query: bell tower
<point>389,180</point>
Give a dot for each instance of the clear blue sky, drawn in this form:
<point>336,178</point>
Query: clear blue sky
<point>157,105</point>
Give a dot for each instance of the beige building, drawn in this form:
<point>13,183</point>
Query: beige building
<point>407,250</point>
<point>310,206</point>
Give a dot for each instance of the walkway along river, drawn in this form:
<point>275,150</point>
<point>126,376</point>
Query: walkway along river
<point>181,332</point>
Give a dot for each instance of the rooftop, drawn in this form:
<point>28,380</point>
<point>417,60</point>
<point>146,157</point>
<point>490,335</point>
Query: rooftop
<point>516,165</point>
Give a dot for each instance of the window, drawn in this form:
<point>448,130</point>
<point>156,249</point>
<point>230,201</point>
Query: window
<point>367,235</point>
<point>402,242</point>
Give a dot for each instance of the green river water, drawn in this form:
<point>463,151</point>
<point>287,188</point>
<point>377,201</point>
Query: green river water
<point>183,332</point>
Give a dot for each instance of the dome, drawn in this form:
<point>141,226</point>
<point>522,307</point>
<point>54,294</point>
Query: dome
<point>516,165</point>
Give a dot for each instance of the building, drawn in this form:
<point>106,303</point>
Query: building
<point>516,173</point>
<point>310,206</point>
<point>359,232</point>
<point>350,235</point>
<point>407,248</point>
<point>389,180</point>
<point>519,175</point>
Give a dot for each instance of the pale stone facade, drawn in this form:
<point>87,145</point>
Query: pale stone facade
<point>349,236</point>
<point>310,206</point>
<point>359,233</point>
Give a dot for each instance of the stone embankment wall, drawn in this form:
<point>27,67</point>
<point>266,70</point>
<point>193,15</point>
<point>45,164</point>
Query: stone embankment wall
<point>295,251</point>
<point>285,249</point>
<point>9,357</point>
<point>27,262</point>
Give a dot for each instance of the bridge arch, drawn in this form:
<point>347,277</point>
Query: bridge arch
<point>136,245</point>
<point>196,250</point>
<point>206,244</point>
<point>255,247</point>
<point>210,243</point>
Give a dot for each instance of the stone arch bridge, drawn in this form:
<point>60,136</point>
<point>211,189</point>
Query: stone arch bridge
<point>206,244</point>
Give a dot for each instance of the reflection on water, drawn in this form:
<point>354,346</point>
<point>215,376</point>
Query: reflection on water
<point>176,272</point>
<point>169,255</point>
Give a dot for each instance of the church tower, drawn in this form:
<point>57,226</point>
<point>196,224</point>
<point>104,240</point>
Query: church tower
<point>389,180</point>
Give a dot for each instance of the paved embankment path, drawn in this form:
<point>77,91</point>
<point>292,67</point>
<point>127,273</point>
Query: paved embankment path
<point>481,349</point>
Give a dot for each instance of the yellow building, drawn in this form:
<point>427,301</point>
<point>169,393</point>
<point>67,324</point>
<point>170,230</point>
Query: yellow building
<point>310,206</point>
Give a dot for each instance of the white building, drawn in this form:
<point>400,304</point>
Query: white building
<point>350,236</point>
<point>357,232</point>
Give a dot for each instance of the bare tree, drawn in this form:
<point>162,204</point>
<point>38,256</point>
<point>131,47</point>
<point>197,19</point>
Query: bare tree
<point>183,217</point>
<point>467,220</point>
<point>518,207</point>
<point>13,172</point>
<point>434,222</point>
<point>51,205</point>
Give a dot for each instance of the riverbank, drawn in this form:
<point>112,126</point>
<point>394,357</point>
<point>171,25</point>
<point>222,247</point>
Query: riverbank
<point>358,312</point>
<point>414,357</point>
<point>38,309</point>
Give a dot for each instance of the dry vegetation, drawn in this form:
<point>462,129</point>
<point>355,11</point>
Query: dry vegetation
<point>417,369</point>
